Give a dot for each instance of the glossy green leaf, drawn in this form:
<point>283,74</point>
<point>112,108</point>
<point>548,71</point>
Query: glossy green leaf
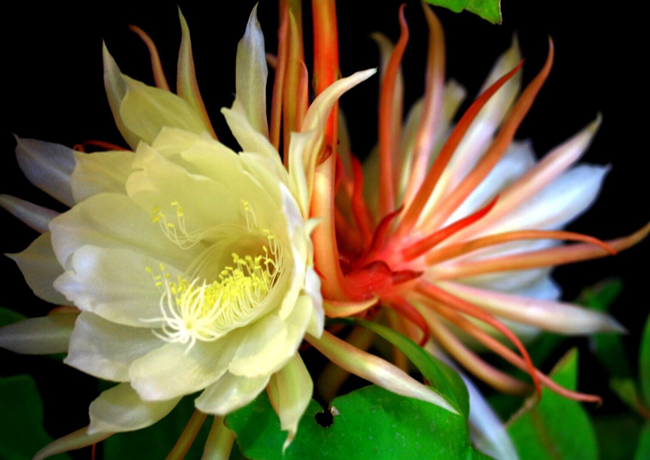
<point>437,374</point>
<point>8,317</point>
<point>644,364</point>
<point>489,10</point>
<point>643,448</point>
<point>367,423</point>
<point>21,423</point>
<point>156,441</point>
<point>556,427</point>
<point>617,435</point>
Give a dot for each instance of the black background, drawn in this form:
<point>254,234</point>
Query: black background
<point>53,90</point>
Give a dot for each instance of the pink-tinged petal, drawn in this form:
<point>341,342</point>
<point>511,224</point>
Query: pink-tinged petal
<point>552,316</point>
<point>175,370</point>
<point>100,172</point>
<point>32,215</point>
<point>186,85</point>
<point>229,393</point>
<point>73,441</point>
<point>293,387</point>
<point>48,166</point>
<point>251,75</point>
<point>116,285</point>
<point>375,370</point>
<point>120,409</point>
<point>220,441</point>
<point>41,268</point>
<point>39,336</point>
<point>344,308</point>
<point>107,350</point>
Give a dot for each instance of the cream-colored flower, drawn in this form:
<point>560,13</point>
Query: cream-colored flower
<point>191,265</point>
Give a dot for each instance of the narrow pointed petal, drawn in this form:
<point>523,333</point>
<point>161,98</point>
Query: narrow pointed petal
<point>342,309</point>
<point>120,409</point>
<point>251,75</point>
<point>100,172</point>
<point>229,393</point>
<point>375,370</point>
<point>156,65</point>
<point>106,349</point>
<point>220,441</point>
<point>48,166</point>
<point>39,336</point>
<point>75,440</point>
<point>32,215</point>
<point>115,87</point>
<point>41,268</point>
<point>552,316</point>
<point>294,388</point>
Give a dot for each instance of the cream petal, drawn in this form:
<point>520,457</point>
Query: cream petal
<point>294,388</point>
<point>549,315</point>
<point>115,284</point>
<point>105,349</point>
<point>40,269</point>
<point>111,220</point>
<point>100,172</point>
<point>312,289</point>
<point>39,336</point>
<point>251,74</point>
<point>229,393</point>
<point>545,289</point>
<point>176,370</point>
<point>32,215</point>
<point>75,440</point>
<point>257,355</point>
<point>120,409</point>
<point>48,166</point>
<point>146,110</point>
<point>566,198</point>
<point>160,183</point>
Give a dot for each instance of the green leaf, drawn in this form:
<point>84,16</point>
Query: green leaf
<point>489,10</point>
<point>156,441</point>
<point>643,448</point>
<point>644,364</point>
<point>8,317</point>
<point>444,380</point>
<point>617,435</point>
<point>556,427</point>
<point>21,424</point>
<point>368,423</point>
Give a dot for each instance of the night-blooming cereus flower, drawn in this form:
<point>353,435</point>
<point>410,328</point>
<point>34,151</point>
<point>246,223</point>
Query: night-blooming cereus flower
<point>456,227</point>
<point>191,265</point>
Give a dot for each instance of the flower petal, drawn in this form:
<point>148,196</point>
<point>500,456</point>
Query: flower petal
<point>120,409</point>
<point>229,393</point>
<point>105,349</point>
<point>48,166</point>
<point>115,284</point>
<point>39,336</point>
<point>100,172</point>
<point>75,440</point>
<point>40,268</point>
<point>258,352</point>
<point>32,215</point>
<point>176,370</point>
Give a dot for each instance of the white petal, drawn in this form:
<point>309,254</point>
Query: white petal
<point>105,349</point>
<point>258,352</point>
<point>251,75</point>
<point>40,268</point>
<point>33,215</point>
<point>111,220</point>
<point>48,166</point>
<point>72,441</point>
<point>100,172</point>
<point>115,284</point>
<point>294,388</point>
<point>229,393</point>
<point>39,336</point>
<point>549,315</point>
<point>174,370</point>
<point>566,198</point>
<point>544,289</point>
<point>312,288</point>
<point>121,409</point>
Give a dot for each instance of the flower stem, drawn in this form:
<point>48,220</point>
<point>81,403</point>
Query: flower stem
<point>187,437</point>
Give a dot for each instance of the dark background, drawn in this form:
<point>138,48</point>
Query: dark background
<point>53,90</point>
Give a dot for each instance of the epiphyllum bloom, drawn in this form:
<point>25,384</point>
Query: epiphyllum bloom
<point>457,227</point>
